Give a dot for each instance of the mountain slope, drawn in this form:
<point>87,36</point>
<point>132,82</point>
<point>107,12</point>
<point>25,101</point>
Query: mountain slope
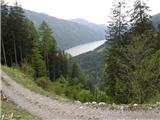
<point>93,62</point>
<point>95,27</point>
<point>156,20</point>
<point>67,33</point>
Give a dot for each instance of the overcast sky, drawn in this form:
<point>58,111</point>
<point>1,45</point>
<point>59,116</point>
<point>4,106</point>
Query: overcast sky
<point>96,11</point>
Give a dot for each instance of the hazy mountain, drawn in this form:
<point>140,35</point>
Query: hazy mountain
<point>93,62</point>
<point>68,33</point>
<point>156,20</point>
<point>96,27</point>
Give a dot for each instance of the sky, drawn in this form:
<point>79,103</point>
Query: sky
<point>96,11</point>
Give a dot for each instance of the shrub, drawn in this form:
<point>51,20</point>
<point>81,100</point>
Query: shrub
<point>43,82</point>
<point>27,69</point>
<point>60,85</point>
<point>85,96</point>
<point>102,97</point>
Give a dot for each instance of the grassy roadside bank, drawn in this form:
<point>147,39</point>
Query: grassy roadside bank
<point>10,111</point>
<point>28,82</point>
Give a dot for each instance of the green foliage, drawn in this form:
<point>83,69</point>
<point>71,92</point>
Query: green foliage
<point>85,96</point>
<point>27,69</point>
<point>43,82</point>
<point>132,67</point>
<point>100,96</point>
<point>24,79</point>
<point>64,30</point>
<point>9,108</point>
<point>93,64</point>
<point>48,47</point>
<point>35,58</point>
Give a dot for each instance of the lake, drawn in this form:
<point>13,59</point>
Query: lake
<point>83,48</point>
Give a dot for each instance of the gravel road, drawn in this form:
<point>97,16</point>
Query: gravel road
<point>52,109</point>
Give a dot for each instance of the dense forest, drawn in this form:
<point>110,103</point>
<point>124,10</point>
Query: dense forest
<point>132,64</point>
<point>132,69</point>
<point>36,53</point>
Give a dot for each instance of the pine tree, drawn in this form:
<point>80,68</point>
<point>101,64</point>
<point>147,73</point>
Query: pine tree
<point>140,18</point>
<point>17,34</point>
<point>115,68</point>
<point>4,16</point>
<point>142,45</point>
<point>35,58</point>
<point>48,47</point>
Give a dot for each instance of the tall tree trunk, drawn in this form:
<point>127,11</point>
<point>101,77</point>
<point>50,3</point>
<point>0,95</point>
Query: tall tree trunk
<point>47,64</point>
<point>21,53</point>
<point>15,52</point>
<point>11,60</point>
<point>4,53</point>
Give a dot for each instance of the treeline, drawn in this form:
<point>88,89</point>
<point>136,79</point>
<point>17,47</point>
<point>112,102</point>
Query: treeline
<point>132,70</point>
<point>37,54</point>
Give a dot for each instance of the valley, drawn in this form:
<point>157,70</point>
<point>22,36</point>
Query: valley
<point>58,67</point>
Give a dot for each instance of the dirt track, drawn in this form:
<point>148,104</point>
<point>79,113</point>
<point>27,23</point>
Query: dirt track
<point>50,109</point>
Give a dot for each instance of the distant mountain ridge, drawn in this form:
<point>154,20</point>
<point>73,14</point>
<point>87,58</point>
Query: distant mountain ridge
<point>68,33</point>
<point>96,27</point>
<point>156,20</point>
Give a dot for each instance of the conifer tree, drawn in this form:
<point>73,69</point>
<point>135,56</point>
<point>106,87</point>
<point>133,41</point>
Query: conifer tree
<point>4,17</point>
<point>17,34</point>
<point>48,47</point>
<point>36,59</point>
<point>140,18</point>
<point>114,73</point>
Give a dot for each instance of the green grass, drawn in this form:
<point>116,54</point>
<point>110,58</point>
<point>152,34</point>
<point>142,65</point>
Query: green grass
<point>155,99</point>
<point>28,82</point>
<point>23,79</point>
<point>9,108</point>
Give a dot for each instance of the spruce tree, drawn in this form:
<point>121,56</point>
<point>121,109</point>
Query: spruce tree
<point>4,16</point>
<point>115,68</point>
<point>35,58</point>
<point>18,35</point>
<point>140,18</point>
<point>48,47</point>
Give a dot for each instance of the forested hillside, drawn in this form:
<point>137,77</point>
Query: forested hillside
<point>125,70</point>
<point>93,62</point>
<point>156,20</point>
<point>132,68</point>
<point>67,33</point>
<point>36,53</point>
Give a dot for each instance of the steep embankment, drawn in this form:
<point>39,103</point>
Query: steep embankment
<point>48,109</point>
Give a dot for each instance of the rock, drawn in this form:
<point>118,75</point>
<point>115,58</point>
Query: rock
<point>81,107</point>
<point>78,102</point>
<point>86,103</point>
<point>135,105</point>
<point>102,103</point>
<point>94,102</point>
<point>158,103</point>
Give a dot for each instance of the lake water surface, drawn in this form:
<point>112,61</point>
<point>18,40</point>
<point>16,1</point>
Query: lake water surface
<point>80,49</point>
